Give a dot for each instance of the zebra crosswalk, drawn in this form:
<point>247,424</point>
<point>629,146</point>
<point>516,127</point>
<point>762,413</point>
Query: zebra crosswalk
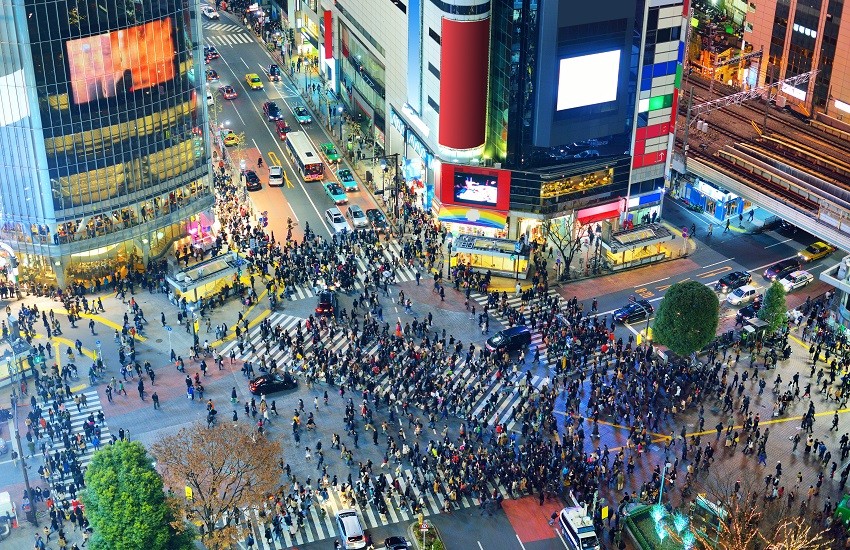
<point>222,27</point>
<point>491,398</point>
<point>229,39</point>
<point>78,418</point>
<point>320,523</point>
<point>391,250</point>
<point>536,336</point>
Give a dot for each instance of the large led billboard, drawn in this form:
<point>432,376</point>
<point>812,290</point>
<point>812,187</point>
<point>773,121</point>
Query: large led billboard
<point>122,61</point>
<point>588,80</point>
<point>477,189</point>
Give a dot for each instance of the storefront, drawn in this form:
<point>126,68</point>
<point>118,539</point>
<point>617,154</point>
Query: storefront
<point>502,257</point>
<point>418,163</point>
<point>645,244</point>
<point>721,204</point>
<point>473,200</point>
<point>645,208</point>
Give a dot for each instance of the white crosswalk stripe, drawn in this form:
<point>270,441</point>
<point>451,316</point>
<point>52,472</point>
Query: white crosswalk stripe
<point>226,27</point>
<point>78,418</point>
<point>536,337</point>
<point>392,249</point>
<point>229,39</point>
<point>320,524</point>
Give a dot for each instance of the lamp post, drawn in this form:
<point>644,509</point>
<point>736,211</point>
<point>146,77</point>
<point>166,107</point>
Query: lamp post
<point>339,111</point>
<point>31,515</point>
<point>646,314</point>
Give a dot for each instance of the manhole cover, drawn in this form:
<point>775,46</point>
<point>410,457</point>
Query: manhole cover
<point>159,340</point>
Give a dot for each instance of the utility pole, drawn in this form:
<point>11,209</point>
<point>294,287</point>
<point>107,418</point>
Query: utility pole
<point>31,514</point>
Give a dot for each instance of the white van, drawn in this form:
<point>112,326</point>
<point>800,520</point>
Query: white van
<point>350,530</point>
<point>275,176</point>
<point>578,529</point>
<point>210,99</point>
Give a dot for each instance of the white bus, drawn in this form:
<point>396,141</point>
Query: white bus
<point>304,156</point>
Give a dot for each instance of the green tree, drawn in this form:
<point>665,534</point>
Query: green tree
<point>774,310</point>
<point>687,318</point>
<point>126,505</point>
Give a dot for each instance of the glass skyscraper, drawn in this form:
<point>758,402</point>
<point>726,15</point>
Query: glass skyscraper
<point>104,156</point>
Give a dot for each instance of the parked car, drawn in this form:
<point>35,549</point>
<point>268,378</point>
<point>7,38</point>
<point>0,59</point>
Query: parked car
<point>272,111</point>
<point>346,179</point>
<point>212,75</point>
<point>211,53</point>
<point>328,303</point>
<point>815,251</point>
<point>378,220</point>
<point>780,269</point>
<point>749,311</point>
<point>336,220</point>
<point>797,279</point>
<point>252,181</point>
<point>357,216</point>
<point>742,295</point>
<point>229,138</point>
<point>272,383</point>
<point>633,311</point>
<point>510,339</point>
<point>733,280</point>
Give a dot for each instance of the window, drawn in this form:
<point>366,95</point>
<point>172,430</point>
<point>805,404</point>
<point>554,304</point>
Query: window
<point>434,35</point>
<point>434,71</point>
<point>400,5</point>
<point>433,104</point>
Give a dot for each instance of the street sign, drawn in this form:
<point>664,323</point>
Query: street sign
<point>424,526</point>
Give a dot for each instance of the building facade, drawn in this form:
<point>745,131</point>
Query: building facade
<point>103,139</point>
<point>509,113</point>
<point>798,36</point>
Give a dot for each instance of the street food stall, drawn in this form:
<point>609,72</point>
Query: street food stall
<point>502,257</point>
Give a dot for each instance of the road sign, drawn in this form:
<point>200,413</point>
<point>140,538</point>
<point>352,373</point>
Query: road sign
<point>424,526</point>
<point>168,328</point>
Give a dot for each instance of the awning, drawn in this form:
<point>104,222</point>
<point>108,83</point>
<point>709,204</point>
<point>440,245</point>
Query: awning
<point>599,213</point>
<point>472,216</point>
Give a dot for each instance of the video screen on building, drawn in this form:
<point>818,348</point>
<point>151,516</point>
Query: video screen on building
<point>479,189</point>
<point>123,61</point>
<point>588,80</point>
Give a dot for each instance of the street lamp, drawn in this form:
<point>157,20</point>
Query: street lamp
<point>339,111</point>
<point>31,515</point>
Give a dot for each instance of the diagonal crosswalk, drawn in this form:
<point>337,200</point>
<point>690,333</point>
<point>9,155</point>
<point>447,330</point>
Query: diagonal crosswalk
<point>319,519</point>
<point>78,418</point>
<point>492,399</point>
<point>391,250</point>
<point>536,336</point>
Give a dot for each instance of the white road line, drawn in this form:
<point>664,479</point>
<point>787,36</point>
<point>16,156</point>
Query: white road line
<point>244,63</point>
<point>479,545</point>
<point>777,244</point>
<point>717,263</point>
<point>520,542</point>
<point>652,282</point>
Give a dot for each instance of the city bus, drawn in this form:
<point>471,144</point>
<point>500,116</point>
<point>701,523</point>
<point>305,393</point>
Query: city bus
<point>304,156</point>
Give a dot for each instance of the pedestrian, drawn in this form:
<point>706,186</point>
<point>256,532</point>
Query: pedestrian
<point>155,399</point>
<point>726,229</point>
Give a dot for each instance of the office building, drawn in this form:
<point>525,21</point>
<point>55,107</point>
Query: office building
<point>103,141</point>
<point>510,112</point>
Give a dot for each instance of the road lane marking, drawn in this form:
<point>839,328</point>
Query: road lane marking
<point>717,263</point>
<point>777,244</point>
<point>246,65</point>
<point>653,282</point>
<point>715,272</point>
<point>519,540</point>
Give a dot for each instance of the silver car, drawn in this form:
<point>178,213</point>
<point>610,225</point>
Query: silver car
<point>358,217</point>
<point>336,220</point>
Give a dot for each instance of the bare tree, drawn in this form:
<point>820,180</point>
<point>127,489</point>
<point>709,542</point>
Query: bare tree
<point>560,234</point>
<point>225,469</point>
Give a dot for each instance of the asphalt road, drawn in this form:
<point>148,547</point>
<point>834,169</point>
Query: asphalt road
<point>241,54</point>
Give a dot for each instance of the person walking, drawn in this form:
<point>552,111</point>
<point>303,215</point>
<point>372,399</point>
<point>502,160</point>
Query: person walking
<point>155,399</point>
<point>726,229</point>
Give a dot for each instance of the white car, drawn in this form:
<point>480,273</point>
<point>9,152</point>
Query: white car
<point>336,220</point>
<point>275,176</point>
<point>797,279</point>
<point>742,295</point>
<point>358,217</point>
<point>209,12</point>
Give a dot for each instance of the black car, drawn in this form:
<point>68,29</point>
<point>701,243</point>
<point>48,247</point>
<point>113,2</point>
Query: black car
<point>633,311</point>
<point>779,270</point>
<point>510,339</point>
<point>252,181</point>
<point>377,220</point>
<point>271,383</point>
<point>748,312</point>
<point>274,72</point>
<point>272,111</point>
<point>328,303</point>
<point>396,543</point>
<point>731,281</point>
<point>210,53</point>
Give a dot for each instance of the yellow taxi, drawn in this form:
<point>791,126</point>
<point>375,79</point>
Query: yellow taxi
<point>229,138</point>
<point>253,81</point>
<point>815,251</point>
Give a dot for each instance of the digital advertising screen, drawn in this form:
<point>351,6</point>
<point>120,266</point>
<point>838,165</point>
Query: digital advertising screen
<point>122,61</point>
<point>478,189</point>
<point>588,80</point>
